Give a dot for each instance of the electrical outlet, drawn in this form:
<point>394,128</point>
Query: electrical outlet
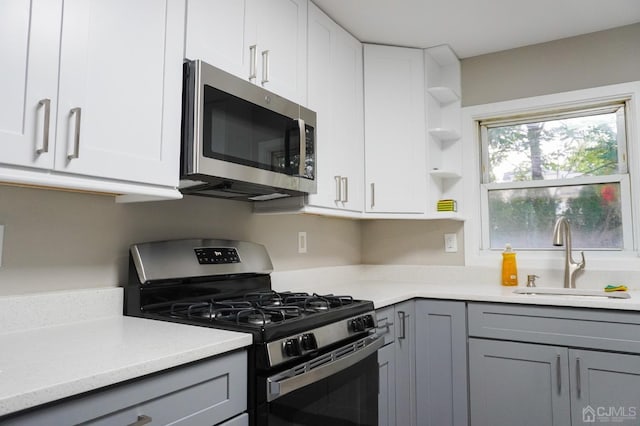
<point>302,242</point>
<point>450,243</point>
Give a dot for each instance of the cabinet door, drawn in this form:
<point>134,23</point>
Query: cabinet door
<point>282,47</point>
<point>605,387</point>
<point>217,32</point>
<point>441,363</point>
<point>394,130</point>
<point>387,390</point>
<point>29,47</point>
<point>120,89</point>
<point>335,94</point>
<point>518,384</point>
<point>405,364</point>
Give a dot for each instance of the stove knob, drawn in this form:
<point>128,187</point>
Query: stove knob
<point>369,322</point>
<point>356,324</point>
<point>291,347</point>
<point>309,342</point>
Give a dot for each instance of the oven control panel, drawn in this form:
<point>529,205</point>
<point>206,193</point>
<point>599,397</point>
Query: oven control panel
<point>294,346</point>
<point>217,255</point>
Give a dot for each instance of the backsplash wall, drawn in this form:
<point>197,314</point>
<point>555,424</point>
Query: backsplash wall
<point>58,240</point>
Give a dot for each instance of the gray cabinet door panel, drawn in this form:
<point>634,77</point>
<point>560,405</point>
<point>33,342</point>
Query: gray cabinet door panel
<point>441,363</point>
<point>387,390</point>
<point>605,387</point>
<point>405,363</point>
<point>518,384</point>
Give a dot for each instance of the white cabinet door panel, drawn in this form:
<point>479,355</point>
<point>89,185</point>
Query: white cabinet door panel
<point>217,33</point>
<point>29,46</point>
<point>117,76</point>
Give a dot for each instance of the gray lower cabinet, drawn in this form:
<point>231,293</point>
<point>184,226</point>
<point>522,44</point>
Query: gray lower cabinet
<point>521,384</point>
<point>441,363</point>
<point>533,365</point>
<point>405,368</point>
<point>396,360</point>
<point>207,392</point>
<point>387,389</point>
<point>605,387</point>
<point>423,365</point>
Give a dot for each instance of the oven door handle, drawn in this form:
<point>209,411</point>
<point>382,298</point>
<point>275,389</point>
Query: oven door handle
<point>322,367</point>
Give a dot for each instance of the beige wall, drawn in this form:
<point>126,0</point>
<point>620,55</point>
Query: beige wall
<point>410,242</point>
<point>59,240</point>
<point>592,60</point>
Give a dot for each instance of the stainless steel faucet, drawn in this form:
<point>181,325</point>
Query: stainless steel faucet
<point>562,237</point>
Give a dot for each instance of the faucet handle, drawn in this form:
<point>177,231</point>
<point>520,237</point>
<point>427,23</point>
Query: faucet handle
<point>531,280</point>
<point>582,264</point>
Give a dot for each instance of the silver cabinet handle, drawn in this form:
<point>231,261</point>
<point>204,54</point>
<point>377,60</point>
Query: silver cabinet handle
<point>403,325</point>
<point>252,62</point>
<point>76,137</point>
<point>302,166</point>
<point>46,103</point>
<point>265,67</point>
<point>559,373</point>
<point>142,420</point>
<point>373,195</point>
<point>578,382</point>
<point>345,191</point>
<point>338,197</point>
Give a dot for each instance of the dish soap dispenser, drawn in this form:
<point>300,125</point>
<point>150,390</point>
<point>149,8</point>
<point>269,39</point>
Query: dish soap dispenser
<point>509,267</point>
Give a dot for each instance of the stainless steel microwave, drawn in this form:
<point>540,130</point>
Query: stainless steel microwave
<point>240,141</point>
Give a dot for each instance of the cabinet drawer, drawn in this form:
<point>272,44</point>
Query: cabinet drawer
<point>206,392</point>
<point>576,327</point>
<point>385,326</point>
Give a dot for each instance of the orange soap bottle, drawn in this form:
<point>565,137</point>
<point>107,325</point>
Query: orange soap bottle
<point>509,267</point>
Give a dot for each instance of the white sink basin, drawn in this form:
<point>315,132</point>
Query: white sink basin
<point>542,291</point>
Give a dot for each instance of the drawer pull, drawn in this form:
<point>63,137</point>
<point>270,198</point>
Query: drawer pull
<point>403,316</point>
<point>142,420</point>
<point>559,374</point>
<point>578,383</point>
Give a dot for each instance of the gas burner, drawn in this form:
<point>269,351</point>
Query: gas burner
<point>264,298</point>
<point>317,304</point>
<point>259,319</point>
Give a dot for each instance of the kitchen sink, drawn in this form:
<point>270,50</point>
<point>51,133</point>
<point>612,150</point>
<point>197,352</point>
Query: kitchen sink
<point>542,291</point>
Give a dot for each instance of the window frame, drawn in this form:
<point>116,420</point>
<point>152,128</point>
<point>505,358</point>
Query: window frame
<point>475,195</point>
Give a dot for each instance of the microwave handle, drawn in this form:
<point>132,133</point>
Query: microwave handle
<point>302,165</point>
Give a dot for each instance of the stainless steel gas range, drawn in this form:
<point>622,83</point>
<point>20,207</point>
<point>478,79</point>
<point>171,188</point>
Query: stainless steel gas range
<point>314,357</point>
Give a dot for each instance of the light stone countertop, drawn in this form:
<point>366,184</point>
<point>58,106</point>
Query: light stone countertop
<point>60,344</point>
<point>79,341</point>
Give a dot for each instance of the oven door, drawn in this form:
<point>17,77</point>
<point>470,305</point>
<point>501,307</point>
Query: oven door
<point>336,388</point>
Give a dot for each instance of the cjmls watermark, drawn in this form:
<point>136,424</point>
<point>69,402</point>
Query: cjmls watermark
<point>609,414</point>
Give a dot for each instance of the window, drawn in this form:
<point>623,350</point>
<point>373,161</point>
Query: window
<point>570,162</point>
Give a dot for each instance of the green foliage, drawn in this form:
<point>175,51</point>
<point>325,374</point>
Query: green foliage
<point>555,150</point>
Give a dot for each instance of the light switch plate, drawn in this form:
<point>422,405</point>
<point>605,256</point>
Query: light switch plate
<point>450,243</point>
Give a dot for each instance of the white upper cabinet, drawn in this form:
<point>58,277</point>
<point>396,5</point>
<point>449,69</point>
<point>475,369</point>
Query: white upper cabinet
<point>217,32</point>
<point>263,42</point>
<point>29,46</point>
<point>394,111</point>
<point>120,90</point>
<point>336,94</point>
<point>95,92</point>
